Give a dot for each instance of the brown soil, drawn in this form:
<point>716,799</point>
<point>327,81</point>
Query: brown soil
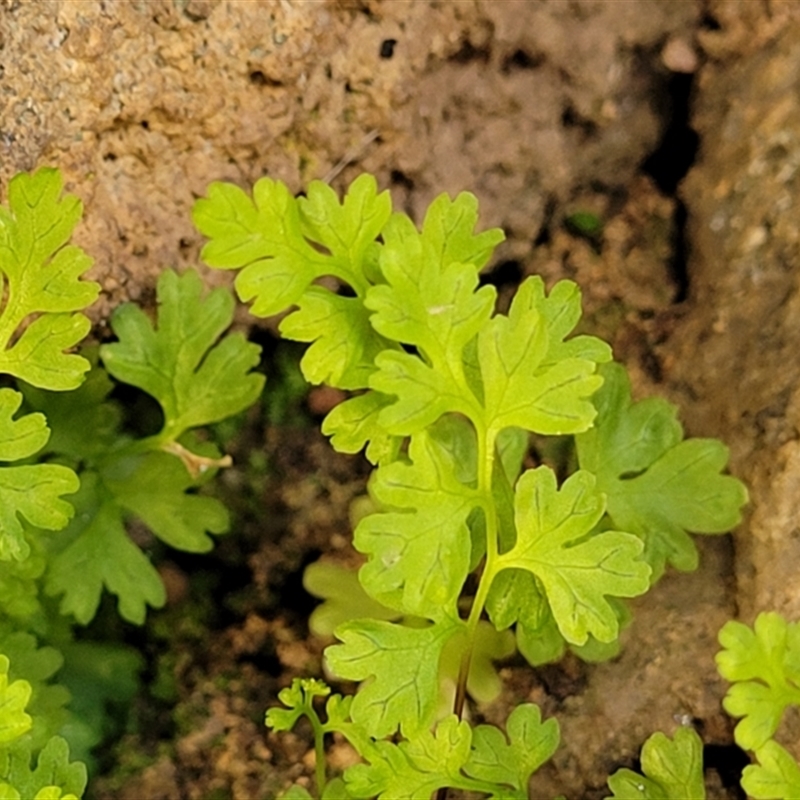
<point>541,110</point>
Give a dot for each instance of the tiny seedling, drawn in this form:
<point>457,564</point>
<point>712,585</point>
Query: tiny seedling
<point>763,665</point>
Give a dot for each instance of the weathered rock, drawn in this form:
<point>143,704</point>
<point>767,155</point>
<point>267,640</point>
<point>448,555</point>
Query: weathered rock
<point>735,356</point>
<point>143,104</point>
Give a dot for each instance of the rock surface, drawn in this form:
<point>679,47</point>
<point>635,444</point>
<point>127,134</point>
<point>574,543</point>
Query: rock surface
<point>734,359</point>
<point>142,104</point>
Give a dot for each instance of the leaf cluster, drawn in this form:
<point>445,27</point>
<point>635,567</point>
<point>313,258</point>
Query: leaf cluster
<point>40,320</point>
<point>69,463</point>
<point>48,776</point>
<point>446,396</point>
<point>673,770</point>
<point>466,544</point>
<point>61,434</point>
<point>658,485</point>
<point>197,379</point>
<point>451,754</point>
<point>763,665</point>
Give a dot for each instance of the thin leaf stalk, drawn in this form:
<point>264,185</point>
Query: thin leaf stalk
<point>486,454</point>
<point>320,774</point>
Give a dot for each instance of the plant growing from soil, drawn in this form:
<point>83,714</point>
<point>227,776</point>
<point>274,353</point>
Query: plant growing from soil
<point>763,664</point>
<point>62,435</point>
<point>470,540</point>
<point>470,536</point>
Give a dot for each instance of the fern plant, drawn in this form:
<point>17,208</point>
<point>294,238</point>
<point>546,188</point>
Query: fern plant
<point>446,396</point>
<point>468,553</point>
<point>72,478</point>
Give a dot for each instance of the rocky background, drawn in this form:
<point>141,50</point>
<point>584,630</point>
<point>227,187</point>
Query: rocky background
<point>142,104</point>
<point>677,123</point>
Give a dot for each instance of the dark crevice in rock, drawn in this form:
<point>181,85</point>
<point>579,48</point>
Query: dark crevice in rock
<point>259,78</point>
<point>399,178</point>
<point>680,254</point>
<point>709,22</point>
<point>572,118</point>
<point>522,59</point>
<point>469,52</point>
<point>728,761</point>
<point>387,48</point>
<point>677,150</point>
<point>668,164</point>
<point>544,234</point>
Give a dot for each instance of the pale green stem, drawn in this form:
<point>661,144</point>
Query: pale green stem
<point>486,452</point>
<point>319,751</point>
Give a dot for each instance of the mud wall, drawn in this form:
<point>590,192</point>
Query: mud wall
<point>734,362</point>
<point>142,104</point>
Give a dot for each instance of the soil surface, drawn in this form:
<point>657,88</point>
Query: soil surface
<point>676,124</point>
